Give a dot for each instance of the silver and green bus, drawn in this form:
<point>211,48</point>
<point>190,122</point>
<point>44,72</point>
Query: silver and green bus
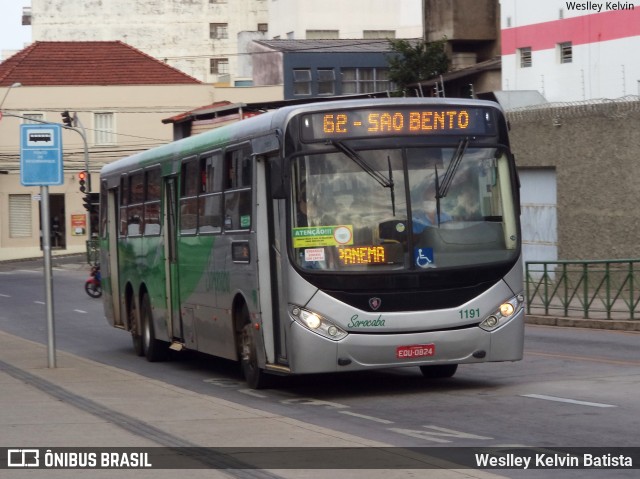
<point>337,236</point>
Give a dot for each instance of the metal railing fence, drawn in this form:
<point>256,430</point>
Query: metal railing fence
<point>600,289</point>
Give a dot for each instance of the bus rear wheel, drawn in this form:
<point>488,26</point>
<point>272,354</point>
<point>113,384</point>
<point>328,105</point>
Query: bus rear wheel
<point>134,325</point>
<point>154,349</point>
<point>255,377</point>
<point>440,371</point>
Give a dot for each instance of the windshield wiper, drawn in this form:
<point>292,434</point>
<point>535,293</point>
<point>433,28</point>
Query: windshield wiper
<point>442,189</point>
<point>447,179</point>
<point>362,163</point>
<point>372,172</point>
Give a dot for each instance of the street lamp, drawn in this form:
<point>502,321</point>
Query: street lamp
<point>15,85</point>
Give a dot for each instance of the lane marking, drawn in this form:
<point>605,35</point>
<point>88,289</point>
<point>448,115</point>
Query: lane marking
<point>570,401</point>
<point>39,302</point>
<point>28,271</point>
<point>4,296</point>
<point>251,392</point>
<point>584,358</point>
<point>369,418</point>
<point>433,431</point>
<point>80,311</point>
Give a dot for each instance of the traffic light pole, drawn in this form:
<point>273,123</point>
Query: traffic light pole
<point>83,134</point>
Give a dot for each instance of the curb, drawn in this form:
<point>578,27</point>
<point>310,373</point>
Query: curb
<point>607,324</point>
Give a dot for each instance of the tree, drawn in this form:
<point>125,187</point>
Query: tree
<point>416,61</point>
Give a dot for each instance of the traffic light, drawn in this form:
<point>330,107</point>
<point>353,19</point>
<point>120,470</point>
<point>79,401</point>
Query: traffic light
<point>66,118</point>
<point>82,181</point>
<point>91,203</point>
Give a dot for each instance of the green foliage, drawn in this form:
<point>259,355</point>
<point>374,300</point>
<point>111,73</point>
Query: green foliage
<point>416,61</point>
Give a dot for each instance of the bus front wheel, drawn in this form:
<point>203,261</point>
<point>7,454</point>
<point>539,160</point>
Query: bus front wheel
<point>256,378</point>
<point>440,371</point>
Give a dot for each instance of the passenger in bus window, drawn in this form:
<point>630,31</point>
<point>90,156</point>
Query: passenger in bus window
<point>424,209</point>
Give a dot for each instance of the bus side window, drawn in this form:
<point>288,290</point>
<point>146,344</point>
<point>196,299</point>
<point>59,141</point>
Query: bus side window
<point>135,208</point>
<point>152,202</point>
<point>237,202</point>
<point>210,201</point>
<point>124,201</point>
<point>189,197</point>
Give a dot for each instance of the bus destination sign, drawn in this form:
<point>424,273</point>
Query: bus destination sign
<point>397,121</point>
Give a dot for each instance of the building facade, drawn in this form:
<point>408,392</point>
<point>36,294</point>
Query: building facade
<point>119,104</point>
<point>337,19</point>
<point>317,68</point>
<point>571,51</point>
<point>208,39</point>
<point>198,37</point>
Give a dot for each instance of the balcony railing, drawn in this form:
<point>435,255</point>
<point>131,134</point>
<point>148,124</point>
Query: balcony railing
<point>604,289</point>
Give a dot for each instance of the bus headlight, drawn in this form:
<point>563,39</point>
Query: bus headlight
<point>503,314</point>
<point>316,323</point>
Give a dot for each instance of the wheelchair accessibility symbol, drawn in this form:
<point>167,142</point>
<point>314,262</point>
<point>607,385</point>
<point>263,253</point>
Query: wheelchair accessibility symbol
<point>423,257</point>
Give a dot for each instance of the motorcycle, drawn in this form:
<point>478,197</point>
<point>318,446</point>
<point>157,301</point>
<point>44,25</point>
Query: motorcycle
<point>93,285</point>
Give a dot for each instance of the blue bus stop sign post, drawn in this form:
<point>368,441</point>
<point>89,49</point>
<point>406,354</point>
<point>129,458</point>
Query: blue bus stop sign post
<point>41,155</point>
<point>41,165</point>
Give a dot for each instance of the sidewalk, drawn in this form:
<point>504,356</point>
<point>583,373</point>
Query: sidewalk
<point>81,403</point>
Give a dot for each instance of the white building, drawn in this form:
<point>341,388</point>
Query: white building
<point>199,37</point>
<point>208,39</point>
<point>334,19</point>
<point>571,51</point>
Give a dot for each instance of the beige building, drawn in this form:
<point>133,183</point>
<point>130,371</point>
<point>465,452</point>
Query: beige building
<point>119,95</point>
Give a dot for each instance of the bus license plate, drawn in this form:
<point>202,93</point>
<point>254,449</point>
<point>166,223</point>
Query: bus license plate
<point>415,351</point>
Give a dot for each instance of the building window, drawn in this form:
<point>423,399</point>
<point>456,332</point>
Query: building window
<point>364,80</point>
<point>31,118</point>
<point>566,52</point>
<point>218,31</point>
<point>302,81</point>
<point>322,34</point>
<point>219,65</point>
<point>263,27</point>
<point>104,128</point>
<point>326,81</point>
<point>525,57</point>
<point>373,34</point>
<point>20,216</point>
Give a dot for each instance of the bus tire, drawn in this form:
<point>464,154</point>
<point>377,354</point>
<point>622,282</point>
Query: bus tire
<point>134,325</point>
<point>255,377</point>
<point>154,349</point>
<point>439,371</point>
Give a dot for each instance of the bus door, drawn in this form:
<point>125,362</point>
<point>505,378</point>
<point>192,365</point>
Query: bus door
<point>171,257</point>
<point>271,242</point>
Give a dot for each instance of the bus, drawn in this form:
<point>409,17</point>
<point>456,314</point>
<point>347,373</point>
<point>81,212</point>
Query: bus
<point>300,240</point>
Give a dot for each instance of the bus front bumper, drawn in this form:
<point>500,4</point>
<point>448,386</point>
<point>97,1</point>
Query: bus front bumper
<point>311,353</point>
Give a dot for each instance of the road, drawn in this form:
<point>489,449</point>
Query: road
<point>575,387</point>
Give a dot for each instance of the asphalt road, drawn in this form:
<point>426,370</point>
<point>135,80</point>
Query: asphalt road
<point>575,387</point>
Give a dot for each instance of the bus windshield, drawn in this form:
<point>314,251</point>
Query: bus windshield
<point>402,208</point>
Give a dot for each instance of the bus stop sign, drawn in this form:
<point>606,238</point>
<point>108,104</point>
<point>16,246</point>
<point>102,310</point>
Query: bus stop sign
<point>41,155</point>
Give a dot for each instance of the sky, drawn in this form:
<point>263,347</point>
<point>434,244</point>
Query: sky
<point>13,35</point>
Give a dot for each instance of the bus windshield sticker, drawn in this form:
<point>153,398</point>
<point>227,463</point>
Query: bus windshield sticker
<point>322,236</point>
<point>314,254</point>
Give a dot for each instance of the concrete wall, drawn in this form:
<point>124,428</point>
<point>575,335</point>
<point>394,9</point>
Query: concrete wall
<point>595,150</point>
